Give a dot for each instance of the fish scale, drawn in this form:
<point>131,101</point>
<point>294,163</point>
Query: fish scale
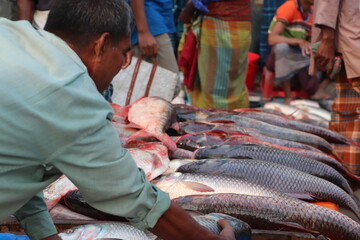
<point>279,156</point>
<point>274,176</point>
<point>275,214</point>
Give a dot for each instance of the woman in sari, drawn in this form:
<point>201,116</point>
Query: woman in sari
<point>222,32</point>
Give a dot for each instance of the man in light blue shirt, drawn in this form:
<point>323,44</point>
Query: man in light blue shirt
<point>53,121</point>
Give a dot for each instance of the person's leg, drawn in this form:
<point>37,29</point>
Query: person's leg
<point>321,92</point>
<point>345,119</point>
<point>287,91</point>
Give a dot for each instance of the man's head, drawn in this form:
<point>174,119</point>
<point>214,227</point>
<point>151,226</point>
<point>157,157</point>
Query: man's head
<point>98,31</point>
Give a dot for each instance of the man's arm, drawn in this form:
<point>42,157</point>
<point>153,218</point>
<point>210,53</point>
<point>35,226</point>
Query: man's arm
<point>176,224</point>
<point>325,17</point>
<point>147,41</point>
<point>26,9</point>
<point>35,218</point>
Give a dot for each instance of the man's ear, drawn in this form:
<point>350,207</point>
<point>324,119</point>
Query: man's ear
<point>102,44</point>
<point>128,57</point>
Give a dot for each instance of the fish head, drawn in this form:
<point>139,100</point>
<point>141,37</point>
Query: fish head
<point>84,232</point>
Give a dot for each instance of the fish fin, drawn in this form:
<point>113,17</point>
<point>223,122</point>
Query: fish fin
<point>138,134</point>
<point>175,126</point>
<point>298,227</point>
<point>164,138</point>
<point>302,195</point>
<point>198,187</point>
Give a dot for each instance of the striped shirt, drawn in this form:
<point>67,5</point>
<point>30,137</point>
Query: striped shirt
<point>291,14</point>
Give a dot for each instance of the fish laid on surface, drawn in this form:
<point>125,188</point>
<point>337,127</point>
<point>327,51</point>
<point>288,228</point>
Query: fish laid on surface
<point>192,127</point>
<point>317,111</point>
<point>274,131</point>
<point>305,102</point>
<point>331,136</point>
<point>115,230</point>
<point>275,176</point>
<point>151,157</point>
<point>279,156</point>
<point>56,190</point>
<point>153,115</point>
<point>276,214</point>
<point>219,137</point>
<point>61,212</point>
<point>182,184</point>
<point>296,113</point>
<point>210,221</point>
<point>74,201</point>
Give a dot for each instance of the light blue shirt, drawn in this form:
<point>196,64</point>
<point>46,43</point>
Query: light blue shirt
<point>53,121</point>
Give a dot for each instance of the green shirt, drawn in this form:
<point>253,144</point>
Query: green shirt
<point>53,121</point>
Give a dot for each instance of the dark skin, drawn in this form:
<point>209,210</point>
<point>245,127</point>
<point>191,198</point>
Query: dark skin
<point>26,9</point>
<point>103,61</point>
<point>147,42</point>
<point>326,52</point>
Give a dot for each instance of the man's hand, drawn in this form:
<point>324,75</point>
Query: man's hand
<point>227,231</point>
<point>305,47</point>
<point>148,44</point>
<point>326,51</point>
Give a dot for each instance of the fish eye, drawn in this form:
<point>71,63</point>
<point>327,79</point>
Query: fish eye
<point>70,230</point>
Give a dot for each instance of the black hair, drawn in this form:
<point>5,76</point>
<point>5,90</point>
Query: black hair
<point>80,21</point>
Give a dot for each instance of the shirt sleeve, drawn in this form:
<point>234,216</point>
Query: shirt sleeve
<point>286,12</point>
<point>109,179</point>
<point>326,13</point>
<point>35,218</point>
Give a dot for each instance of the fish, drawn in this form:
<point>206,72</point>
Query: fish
<point>296,113</point>
<point>279,156</point>
<point>263,212</point>
<point>186,112</point>
<point>75,202</point>
<point>275,131</point>
<point>330,136</point>
<point>210,222</point>
<point>115,230</point>
<point>277,177</point>
<point>61,212</point>
<point>304,102</point>
<point>56,190</point>
<point>191,127</point>
<point>152,157</point>
<point>182,184</point>
<point>219,137</point>
<point>153,115</point>
<point>317,111</point>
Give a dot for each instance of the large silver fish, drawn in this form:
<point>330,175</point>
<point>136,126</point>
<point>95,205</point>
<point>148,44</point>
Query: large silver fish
<point>279,156</point>
<point>276,214</point>
<point>182,184</point>
<point>275,176</point>
<point>274,131</point>
<point>115,230</point>
<point>191,127</point>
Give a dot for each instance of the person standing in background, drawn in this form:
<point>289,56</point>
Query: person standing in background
<point>35,11</point>
<point>223,33</point>
<point>337,27</point>
<point>154,21</point>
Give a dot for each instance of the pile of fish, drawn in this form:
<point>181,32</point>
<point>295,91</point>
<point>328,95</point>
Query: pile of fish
<point>308,111</point>
<point>260,167</point>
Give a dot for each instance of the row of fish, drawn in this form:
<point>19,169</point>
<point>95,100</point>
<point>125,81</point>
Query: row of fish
<point>251,164</point>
